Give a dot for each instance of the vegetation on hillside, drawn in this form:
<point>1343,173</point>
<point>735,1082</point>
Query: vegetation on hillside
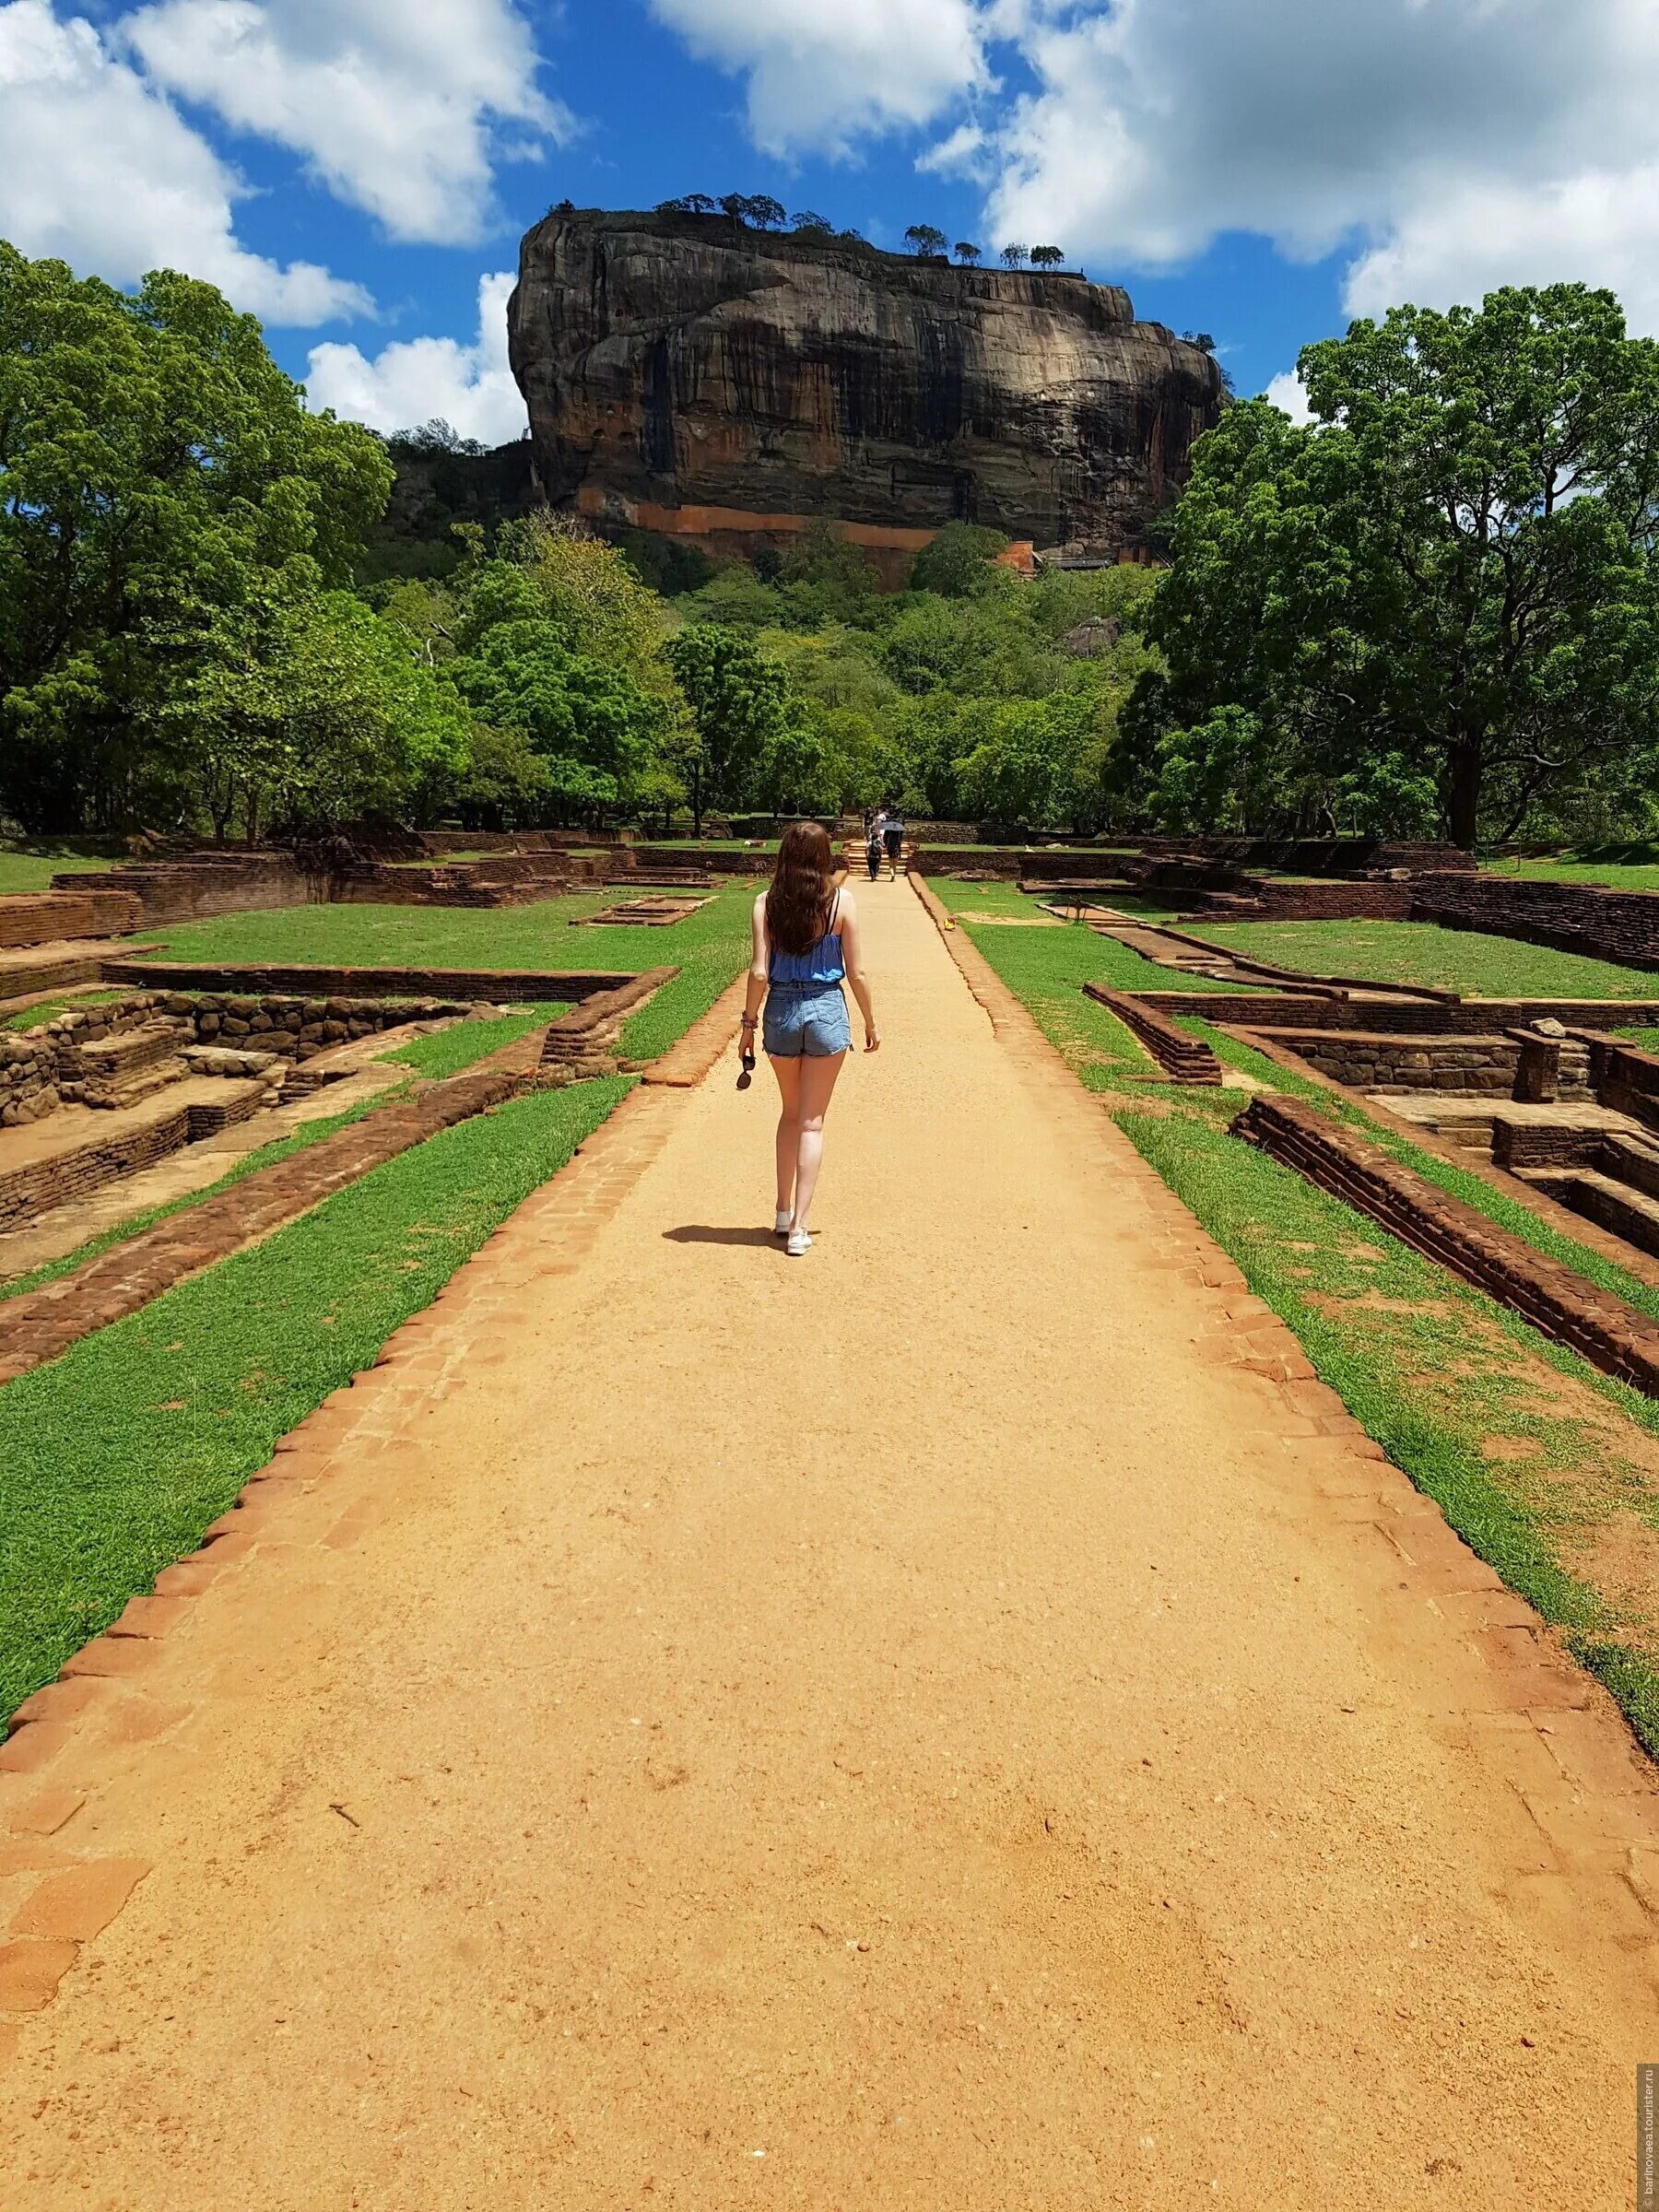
<point>1433,608</point>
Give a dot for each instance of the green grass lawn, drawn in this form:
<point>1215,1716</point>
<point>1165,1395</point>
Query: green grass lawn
<point>34,871</point>
<point>114,1458</point>
<point>449,1051</point>
<point>1527,1449</point>
<point>1420,952</point>
<point>710,948</point>
<point>1612,875</point>
<point>1072,951</point>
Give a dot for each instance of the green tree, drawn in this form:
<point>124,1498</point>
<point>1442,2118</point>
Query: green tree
<point>1014,257</point>
<point>599,731</point>
<point>157,473</point>
<point>956,562</point>
<point>1023,767</point>
<point>297,712</point>
<point>926,241</point>
<point>739,697</point>
<point>967,252</point>
<point>1450,570</point>
<point>1046,257</point>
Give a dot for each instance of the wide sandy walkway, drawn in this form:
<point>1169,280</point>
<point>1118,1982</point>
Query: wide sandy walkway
<point>915,1727</point>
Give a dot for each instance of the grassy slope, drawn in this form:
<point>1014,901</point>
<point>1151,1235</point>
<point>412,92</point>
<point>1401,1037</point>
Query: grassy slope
<point>1435,1371</point>
<point>1071,950</point>
<point>114,1458</point>
<point>1612,875</point>
<point>1419,952</point>
<point>32,1017</point>
<point>447,1051</point>
<point>34,871</point>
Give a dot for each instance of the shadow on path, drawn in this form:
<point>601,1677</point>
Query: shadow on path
<point>695,1234</point>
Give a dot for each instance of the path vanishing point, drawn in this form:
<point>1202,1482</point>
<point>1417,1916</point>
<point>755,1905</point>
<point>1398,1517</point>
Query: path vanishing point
<point>926,1726</point>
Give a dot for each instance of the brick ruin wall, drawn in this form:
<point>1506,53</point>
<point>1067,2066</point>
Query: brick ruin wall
<point>1371,1059</point>
<point>1317,855</point>
<point>1290,899</point>
<point>1615,1338</point>
<point>43,917</point>
<point>196,888</point>
<point>201,886</point>
<point>27,1191</point>
<point>1183,1058</point>
<point>1620,926</point>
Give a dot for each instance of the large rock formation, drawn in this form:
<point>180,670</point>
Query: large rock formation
<point>685,373</point>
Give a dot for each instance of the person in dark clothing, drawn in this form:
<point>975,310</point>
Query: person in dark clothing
<point>892,836</point>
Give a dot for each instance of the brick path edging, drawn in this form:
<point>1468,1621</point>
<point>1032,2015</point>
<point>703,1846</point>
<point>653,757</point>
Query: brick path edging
<point>1550,1731</point>
<point>1183,1058</point>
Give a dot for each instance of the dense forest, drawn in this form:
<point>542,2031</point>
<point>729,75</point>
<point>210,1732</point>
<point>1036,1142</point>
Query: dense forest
<point>1433,606</point>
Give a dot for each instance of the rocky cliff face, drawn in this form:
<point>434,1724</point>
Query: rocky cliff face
<point>685,373</point>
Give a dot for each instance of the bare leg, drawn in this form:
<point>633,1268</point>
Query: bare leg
<point>817,1082</point>
<point>788,1072</point>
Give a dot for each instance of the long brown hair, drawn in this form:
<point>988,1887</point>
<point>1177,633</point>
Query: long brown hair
<point>797,904</point>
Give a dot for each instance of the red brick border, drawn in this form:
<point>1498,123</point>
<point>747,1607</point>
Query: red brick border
<point>1183,1058</point>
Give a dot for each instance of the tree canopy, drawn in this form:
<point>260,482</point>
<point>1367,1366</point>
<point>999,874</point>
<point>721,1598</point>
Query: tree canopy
<point>159,477</point>
<point>1444,586</point>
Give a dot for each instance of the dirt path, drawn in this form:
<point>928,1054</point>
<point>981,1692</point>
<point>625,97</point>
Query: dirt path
<point>916,1727</point>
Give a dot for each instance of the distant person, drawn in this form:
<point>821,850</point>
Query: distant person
<point>873,827</point>
<point>805,944</point>
<point>892,834</point>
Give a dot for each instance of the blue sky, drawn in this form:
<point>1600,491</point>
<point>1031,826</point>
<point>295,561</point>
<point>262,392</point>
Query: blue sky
<point>358,171</point>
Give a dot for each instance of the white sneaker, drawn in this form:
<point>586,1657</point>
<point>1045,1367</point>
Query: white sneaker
<point>781,1225</point>
<point>800,1244</point>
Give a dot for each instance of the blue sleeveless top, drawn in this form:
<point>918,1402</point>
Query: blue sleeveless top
<point>819,968</point>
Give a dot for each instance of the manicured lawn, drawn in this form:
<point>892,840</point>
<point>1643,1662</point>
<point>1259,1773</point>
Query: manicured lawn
<point>1071,954</point>
<point>1613,875</point>
<point>1419,952</point>
<point>114,1458</point>
<point>34,871</point>
<point>1529,1452</point>
<point>708,949</point>
<point>446,1051</point>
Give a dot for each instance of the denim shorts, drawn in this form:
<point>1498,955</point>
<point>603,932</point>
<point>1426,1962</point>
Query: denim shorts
<point>814,1022</point>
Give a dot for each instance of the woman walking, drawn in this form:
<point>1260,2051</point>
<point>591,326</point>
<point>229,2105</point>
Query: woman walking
<point>806,942</point>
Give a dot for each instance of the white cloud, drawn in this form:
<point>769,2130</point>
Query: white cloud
<point>1465,142</point>
<point>962,154</point>
<point>401,110</point>
<point>1288,392</point>
<point>823,73</point>
<point>1600,227</point>
<point>410,382</point>
<point>101,171</point>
